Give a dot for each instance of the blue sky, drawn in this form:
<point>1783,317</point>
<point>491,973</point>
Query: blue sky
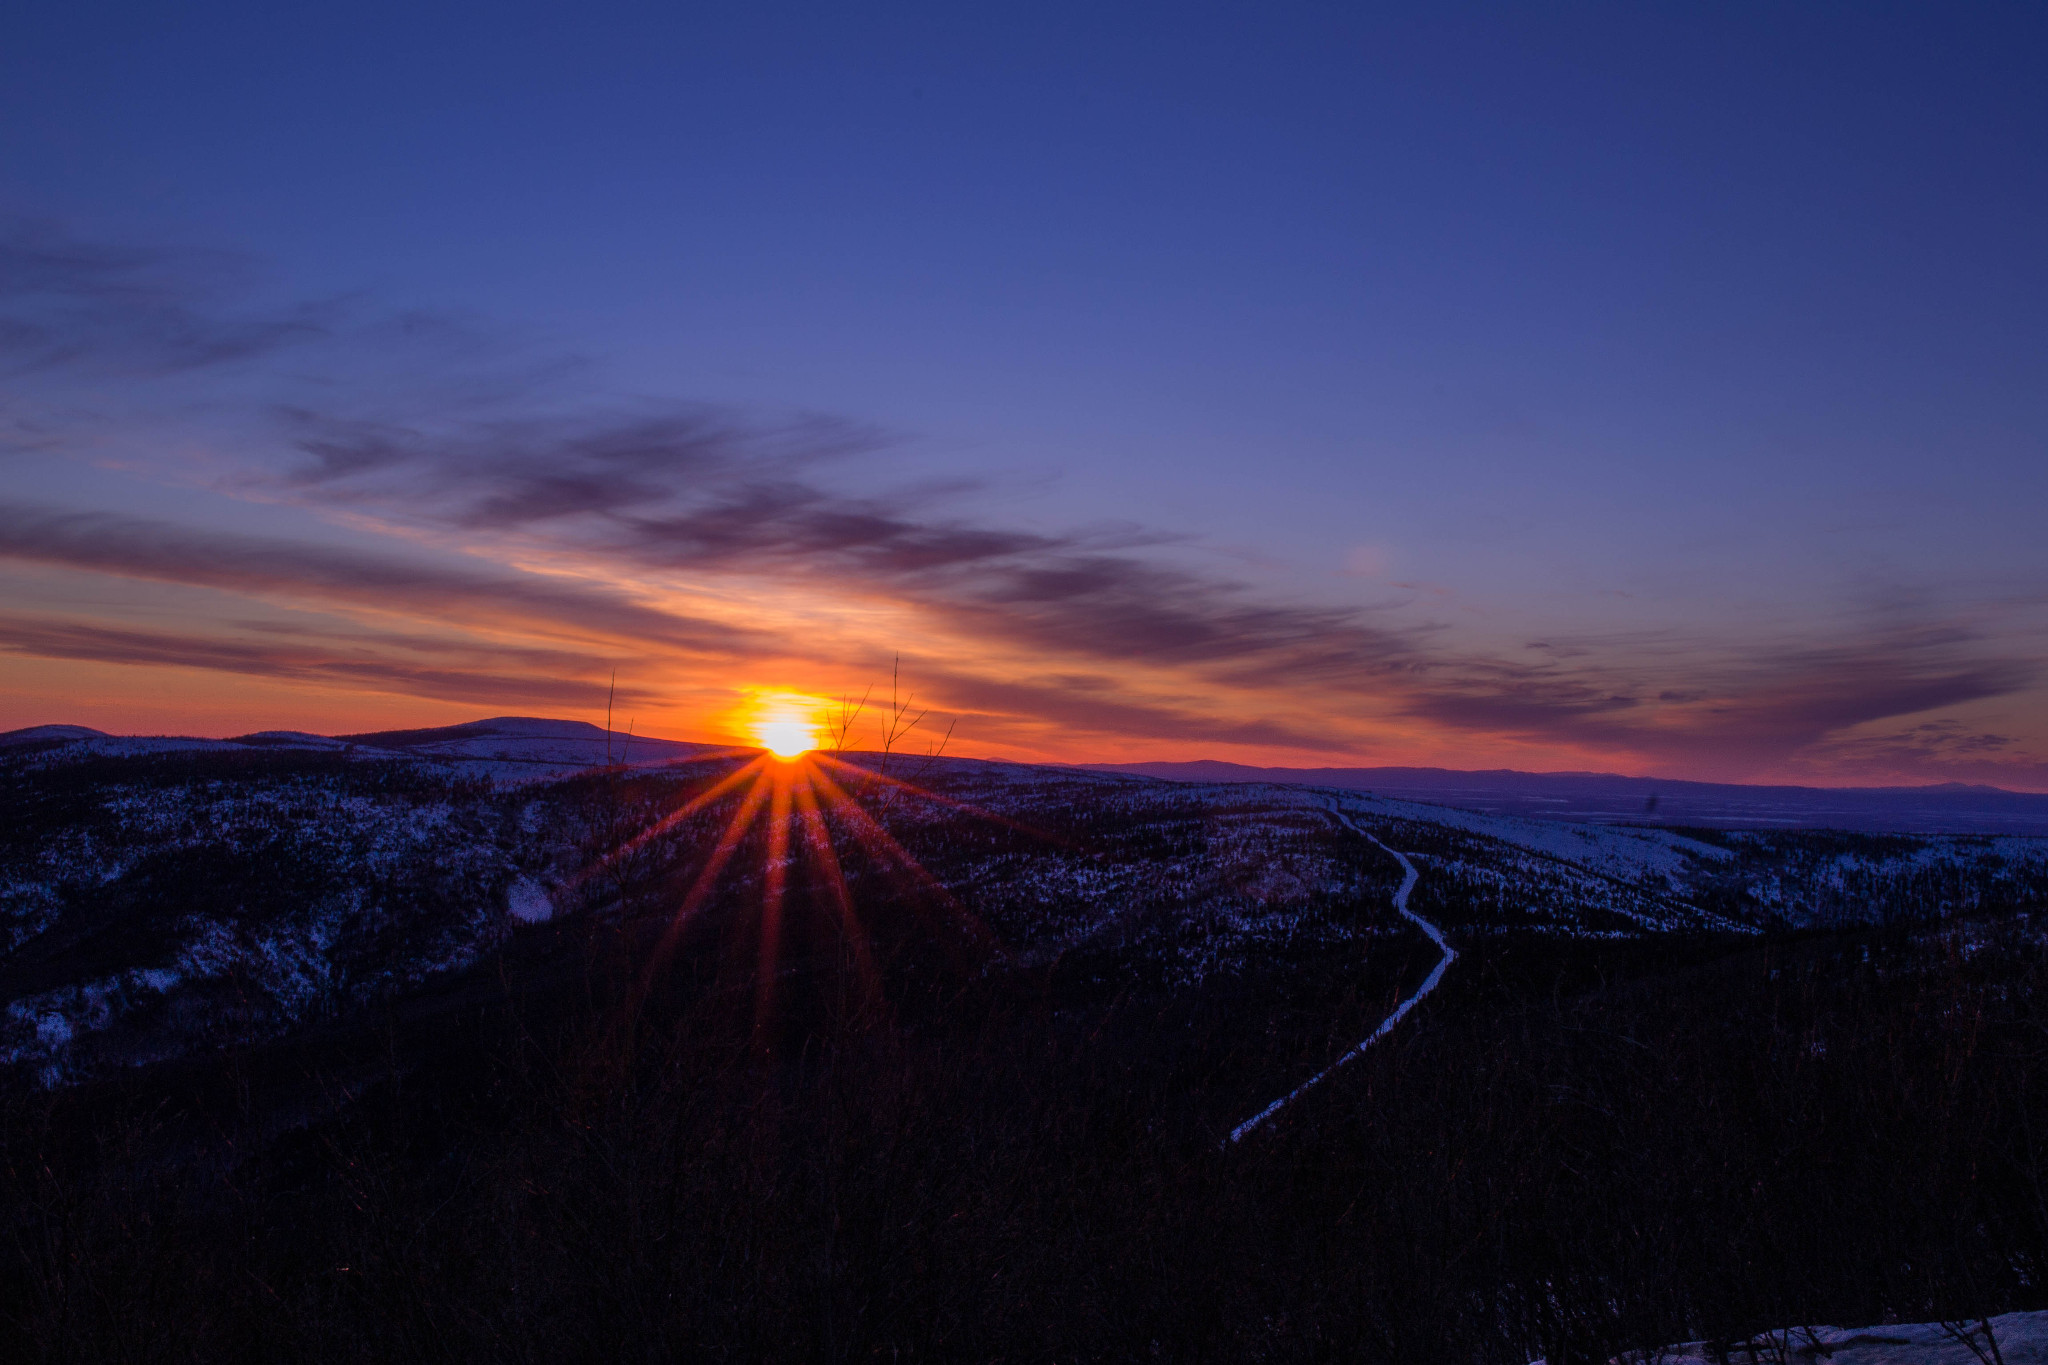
<point>1655,388</point>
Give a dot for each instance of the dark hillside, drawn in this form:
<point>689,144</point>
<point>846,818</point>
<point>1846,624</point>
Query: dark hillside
<point>1582,1147</point>
<point>975,1111</point>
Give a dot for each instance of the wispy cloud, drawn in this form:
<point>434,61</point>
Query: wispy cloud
<point>697,491</point>
<point>136,547</point>
<point>494,677</point>
<point>1754,707</point>
<point>458,482</point>
<point>71,303</point>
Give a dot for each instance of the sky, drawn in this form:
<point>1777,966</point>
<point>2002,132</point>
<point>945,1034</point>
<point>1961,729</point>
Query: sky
<point>1649,389</point>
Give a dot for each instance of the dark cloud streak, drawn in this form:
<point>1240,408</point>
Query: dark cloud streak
<point>696,493</point>
<point>1764,708</point>
<point>139,548</point>
<point>461,451</point>
<point>69,303</point>
<point>505,677</point>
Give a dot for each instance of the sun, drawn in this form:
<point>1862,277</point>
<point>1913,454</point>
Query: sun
<point>783,723</point>
<point>806,801</point>
<point>785,736</point>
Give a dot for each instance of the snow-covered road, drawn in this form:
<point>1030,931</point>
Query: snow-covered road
<point>1408,878</point>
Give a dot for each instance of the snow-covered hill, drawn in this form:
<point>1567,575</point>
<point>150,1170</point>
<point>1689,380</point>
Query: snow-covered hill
<point>2010,1338</point>
<point>161,895</point>
<point>507,748</point>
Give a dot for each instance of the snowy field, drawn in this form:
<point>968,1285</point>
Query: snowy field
<point>2013,1339</point>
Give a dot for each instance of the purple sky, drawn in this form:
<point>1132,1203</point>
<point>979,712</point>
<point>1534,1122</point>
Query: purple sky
<point>1648,388</point>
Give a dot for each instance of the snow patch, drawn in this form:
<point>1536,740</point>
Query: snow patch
<point>528,901</point>
<point>2022,1340</point>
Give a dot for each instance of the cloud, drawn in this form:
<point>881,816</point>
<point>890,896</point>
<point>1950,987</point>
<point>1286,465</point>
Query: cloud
<point>70,303</point>
<point>1758,708</point>
<point>138,547</point>
<point>509,472</point>
<point>1104,630</point>
<point>495,677</point>
<point>1946,748</point>
<point>1944,738</point>
<point>697,491</point>
<point>1099,707</point>
<point>701,495</point>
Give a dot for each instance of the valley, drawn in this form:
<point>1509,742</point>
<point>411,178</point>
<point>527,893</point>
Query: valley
<point>331,1052</point>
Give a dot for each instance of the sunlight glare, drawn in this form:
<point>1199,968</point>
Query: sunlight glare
<point>786,737</point>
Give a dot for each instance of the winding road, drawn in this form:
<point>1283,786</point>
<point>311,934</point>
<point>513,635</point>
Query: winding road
<point>1408,879</point>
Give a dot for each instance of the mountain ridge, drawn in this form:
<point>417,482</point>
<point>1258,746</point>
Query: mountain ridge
<point>1199,769</point>
<point>1613,798</point>
<point>511,748</point>
<point>522,746</point>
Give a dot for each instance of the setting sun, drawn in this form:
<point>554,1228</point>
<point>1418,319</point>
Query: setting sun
<point>786,724</point>
<point>785,736</point>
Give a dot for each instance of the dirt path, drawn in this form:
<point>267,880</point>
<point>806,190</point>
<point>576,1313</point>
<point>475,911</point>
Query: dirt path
<point>1408,879</point>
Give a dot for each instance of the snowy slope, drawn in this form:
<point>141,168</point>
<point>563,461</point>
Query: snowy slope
<point>1624,851</point>
<point>505,748</point>
<point>179,893</point>
<point>528,739</point>
<point>2021,1339</point>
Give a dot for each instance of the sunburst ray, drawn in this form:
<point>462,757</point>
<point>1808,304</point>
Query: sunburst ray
<point>818,844</point>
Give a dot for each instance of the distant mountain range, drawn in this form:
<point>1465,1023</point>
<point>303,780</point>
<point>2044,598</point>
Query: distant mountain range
<point>1608,798</point>
<point>532,747</point>
<point>504,746</point>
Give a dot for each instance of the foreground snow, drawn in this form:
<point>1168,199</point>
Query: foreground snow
<point>2021,1339</point>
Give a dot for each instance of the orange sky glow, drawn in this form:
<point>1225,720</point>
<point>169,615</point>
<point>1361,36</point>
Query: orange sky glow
<point>216,657</point>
